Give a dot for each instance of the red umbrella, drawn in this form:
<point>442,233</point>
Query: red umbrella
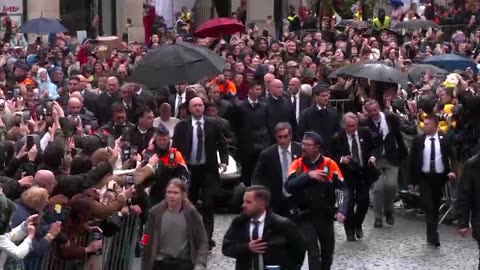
<point>215,27</point>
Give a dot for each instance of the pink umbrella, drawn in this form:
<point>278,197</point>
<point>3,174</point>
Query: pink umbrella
<point>218,26</point>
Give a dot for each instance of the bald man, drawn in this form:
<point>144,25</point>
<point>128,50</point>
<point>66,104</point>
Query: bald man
<point>104,102</point>
<point>199,139</point>
<point>75,109</point>
<point>45,179</point>
<point>279,109</point>
<point>300,102</point>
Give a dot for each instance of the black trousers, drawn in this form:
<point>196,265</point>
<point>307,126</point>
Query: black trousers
<point>358,201</point>
<point>248,163</point>
<point>204,185</point>
<point>431,191</point>
<point>315,230</point>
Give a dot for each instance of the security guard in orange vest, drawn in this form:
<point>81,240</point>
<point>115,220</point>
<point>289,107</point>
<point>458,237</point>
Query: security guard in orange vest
<point>382,21</point>
<point>316,186</point>
<point>170,165</point>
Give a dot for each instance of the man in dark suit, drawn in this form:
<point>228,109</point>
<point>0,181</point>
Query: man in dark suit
<point>130,101</point>
<point>300,102</point>
<point>224,107</point>
<point>146,98</point>
<point>178,99</point>
<point>320,117</point>
<point>352,149</point>
<point>431,166</point>
<point>259,238</point>
<point>468,199</point>
<point>273,164</point>
<point>279,109</point>
<point>104,102</point>
<point>88,96</point>
<point>389,151</point>
<point>250,125</point>
<point>199,139</point>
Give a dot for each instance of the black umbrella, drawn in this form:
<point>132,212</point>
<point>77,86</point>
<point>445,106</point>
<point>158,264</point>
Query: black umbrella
<point>177,63</point>
<point>416,24</point>
<point>42,26</point>
<point>381,73</point>
<point>416,71</point>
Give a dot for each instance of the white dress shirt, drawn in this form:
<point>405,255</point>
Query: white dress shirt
<point>439,166</point>
<point>261,225</point>
<point>178,102</point>
<point>349,138</point>
<point>383,125</point>
<point>193,158</point>
<point>297,105</point>
<point>126,105</point>
<point>252,103</point>
<point>289,162</point>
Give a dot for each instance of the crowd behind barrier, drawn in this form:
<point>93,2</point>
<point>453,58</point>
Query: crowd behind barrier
<point>117,253</point>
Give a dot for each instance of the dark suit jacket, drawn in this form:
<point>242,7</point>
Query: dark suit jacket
<point>250,126</point>
<point>89,100</point>
<point>285,243</point>
<point>132,111</point>
<point>416,157</point>
<point>214,141</point>
<point>305,103</point>
<point>339,148</point>
<point>395,149</point>
<point>325,122</point>
<point>269,173</point>
<point>171,100</point>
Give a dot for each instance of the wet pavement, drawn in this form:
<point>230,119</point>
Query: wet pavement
<point>398,247</point>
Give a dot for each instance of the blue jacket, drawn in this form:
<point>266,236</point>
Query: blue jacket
<point>40,246</point>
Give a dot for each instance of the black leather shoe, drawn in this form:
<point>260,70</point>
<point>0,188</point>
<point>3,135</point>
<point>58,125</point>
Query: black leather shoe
<point>211,244</point>
<point>378,223</point>
<point>359,232</point>
<point>433,240</point>
<point>138,250</point>
<point>389,219</point>
<point>351,236</point>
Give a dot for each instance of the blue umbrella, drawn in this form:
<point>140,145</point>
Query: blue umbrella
<point>42,25</point>
<point>451,62</point>
<point>396,3</point>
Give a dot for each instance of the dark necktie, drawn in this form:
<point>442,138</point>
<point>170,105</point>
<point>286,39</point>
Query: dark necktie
<point>295,101</point>
<point>256,258</point>
<point>432,155</point>
<point>355,152</point>
<point>379,130</point>
<point>199,141</point>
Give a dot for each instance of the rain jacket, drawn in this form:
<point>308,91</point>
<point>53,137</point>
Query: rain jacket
<point>47,85</point>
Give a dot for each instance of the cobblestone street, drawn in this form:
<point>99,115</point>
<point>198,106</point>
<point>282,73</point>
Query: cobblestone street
<point>401,247</point>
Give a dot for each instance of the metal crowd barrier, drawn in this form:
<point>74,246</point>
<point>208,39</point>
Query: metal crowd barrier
<point>340,105</point>
<point>448,200</point>
<point>117,253</point>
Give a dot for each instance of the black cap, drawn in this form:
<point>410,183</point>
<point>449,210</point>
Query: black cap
<point>162,130</point>
<point>320,88</point>
<point>315,137</point>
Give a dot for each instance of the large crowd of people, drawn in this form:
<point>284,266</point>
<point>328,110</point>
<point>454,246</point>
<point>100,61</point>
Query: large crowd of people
<point>312,143</point>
